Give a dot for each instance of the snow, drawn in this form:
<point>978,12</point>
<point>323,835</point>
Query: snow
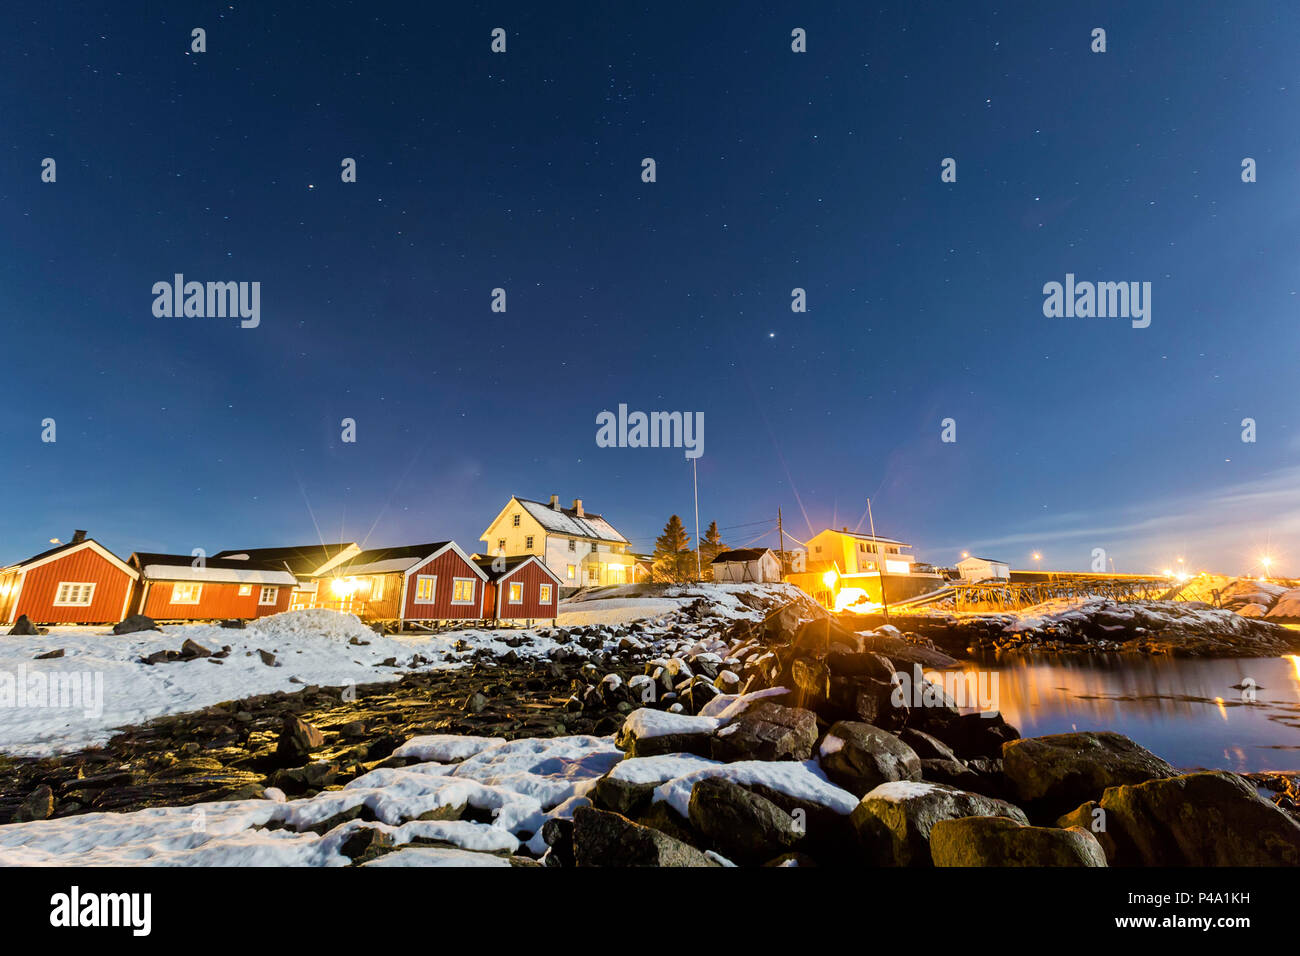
<point>612,611</point>
<point>445,748</point>
<point>898,791</point>
<point>799,780</point>
<point>728,706</point>
<point>185,572</point>
<point>657,769</point>
<point>831,745</point>
<point>646,722</point>
<point>436,856</point>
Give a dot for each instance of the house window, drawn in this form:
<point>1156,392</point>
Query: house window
<point>377,589</point>
<point>74,594</point>
<point>573,545</point>
<point>572,571</point>
<point>817,548</point>
<point>515,521</point>
<point>245,590</point>
<point>267,596</point>
<point>501,545</point>
<point>462,591</point>
<point>425,585</point>
<point>516,592</point>
<point>544,595</point>
<point>186,593</point>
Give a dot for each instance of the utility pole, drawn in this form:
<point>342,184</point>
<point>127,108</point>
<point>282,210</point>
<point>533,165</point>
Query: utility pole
<point>880,562</point>
<point>781,535</point>
<point>695,477</point>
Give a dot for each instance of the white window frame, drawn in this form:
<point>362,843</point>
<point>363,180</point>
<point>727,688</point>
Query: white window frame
<point>573,570</point>
<point>455,583</point>
<point>261,596</point>
<point>433,589</point>
<point>196,596</point>
<point>245,590</point>
<point>545,594</point>
<point>62,597</point>
<point>511,592</point>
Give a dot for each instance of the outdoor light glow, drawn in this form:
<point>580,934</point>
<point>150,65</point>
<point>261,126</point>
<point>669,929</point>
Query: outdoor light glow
<point>828,579</point>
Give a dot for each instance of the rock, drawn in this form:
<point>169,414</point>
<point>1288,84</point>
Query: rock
<point>975,735</point>
<point>791,859</point>
<point>298,739</point>
<point>812,682</point>
<point>767,732</point>
<point>192,649</point>
<point>648,733</point>
<point>49,655</point>
<point>743,826</point>
<point>621,796</point>
<point>39,805</point>
<point>364,843</point>
<point>997,841</point>
<point>134,623</point>
<point>952,773</point>
<point>558,835</point>
<point>476,703</point>
<point>893,821</point>
<point>267,657</point>
<point>860,757</point>
<point>1212,818</point>
<point>1060,771</point>
<point>23,627</point>
<point>927,747</point>
<point>601,838</point>
<point>234,623</point>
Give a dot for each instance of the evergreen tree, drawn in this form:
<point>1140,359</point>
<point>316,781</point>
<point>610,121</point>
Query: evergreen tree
<point>673,560</point>
<point>710,547</point>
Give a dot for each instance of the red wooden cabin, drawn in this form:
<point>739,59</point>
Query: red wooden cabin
<point>80,582</point>
<point>521,588</point>
<point>173,589</point>
<point>424,583</point>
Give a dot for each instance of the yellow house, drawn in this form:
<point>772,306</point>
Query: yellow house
<point>846,570</point>
<point>581,548</point>
<point>856,553</point>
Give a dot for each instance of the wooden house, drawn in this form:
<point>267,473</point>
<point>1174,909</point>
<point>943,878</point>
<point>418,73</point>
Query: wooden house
<point>424,583</point>
<point>520,588</point>
<point>178,587</point>
<point>305,562</point>
<point>80,582</point>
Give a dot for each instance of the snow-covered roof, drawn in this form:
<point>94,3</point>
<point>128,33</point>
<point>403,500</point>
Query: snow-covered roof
<point>566,521</point>
<point>387,566</point>
<point>975,560</point>
<point>187,572</point>
<point>864,536</point>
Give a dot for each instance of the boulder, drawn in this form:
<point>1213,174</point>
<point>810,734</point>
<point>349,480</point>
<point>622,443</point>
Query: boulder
<point>192,649</point>
<point>860,757</point>
<point>557,833</point>
<point>601,838</point>
<point>648,733</point>
<point>298,739</point>
<point>49,655</point>
<point>1060,771</point>
<point>1212,818</point>
<point>998,841</point>
<point>39,805</point>
<point>975,735</point>
<point>952,773</point>
<point>741,825</point>
<point>927,746</point>
<point>23,627</point>
<point>267,658</point>
<point>767,732</point>
<point>134,623</point>
<point>893,821</point>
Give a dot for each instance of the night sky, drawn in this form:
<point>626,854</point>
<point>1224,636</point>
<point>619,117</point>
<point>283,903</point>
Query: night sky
<point>775,170</point>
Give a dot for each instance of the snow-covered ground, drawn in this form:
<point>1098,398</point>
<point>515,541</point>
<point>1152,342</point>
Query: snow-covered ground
<point>101,684</point>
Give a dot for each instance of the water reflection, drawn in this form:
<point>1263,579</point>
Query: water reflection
<point>1240,714</point>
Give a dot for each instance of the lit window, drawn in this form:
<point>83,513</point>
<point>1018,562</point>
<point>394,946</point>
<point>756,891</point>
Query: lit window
<point>425,585</point>
<point>377,589</point>
<point>462,591</point>
<point>516,592</point>
<point>544,597</point>
<point>245,590</point>
<point>267,596</point>
<point>572,571</point>
<point>186,593</point>
<point>74,594</point>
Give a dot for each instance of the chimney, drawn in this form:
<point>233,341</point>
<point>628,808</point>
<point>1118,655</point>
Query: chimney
<point>555,502</point>
<point>78,536</point>
<point>846,528</point>
<point>577,507</point>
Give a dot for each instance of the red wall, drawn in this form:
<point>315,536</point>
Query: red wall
<point>533,577</point>
<point>446,566</point>
<point>41,586</point>
<point>216,600</point>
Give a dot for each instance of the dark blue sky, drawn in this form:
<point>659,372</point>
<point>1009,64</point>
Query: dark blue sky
<point>775,170</point>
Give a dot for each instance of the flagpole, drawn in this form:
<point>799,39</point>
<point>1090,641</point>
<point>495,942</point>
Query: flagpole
<point>880,561</point>
<point>695,478</point>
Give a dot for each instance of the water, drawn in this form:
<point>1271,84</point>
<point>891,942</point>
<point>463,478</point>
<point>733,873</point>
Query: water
<point>1183,709</point>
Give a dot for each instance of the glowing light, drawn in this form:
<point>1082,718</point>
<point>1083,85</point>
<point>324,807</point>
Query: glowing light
<point>344,587</point>
<point>965,554</point>
<point>828,579</point>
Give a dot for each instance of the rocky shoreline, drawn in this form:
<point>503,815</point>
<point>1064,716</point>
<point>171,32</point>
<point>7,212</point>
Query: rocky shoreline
<point>780,741</point>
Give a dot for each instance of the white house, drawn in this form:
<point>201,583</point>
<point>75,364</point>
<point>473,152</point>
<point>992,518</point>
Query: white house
<point>581,548</point>
<point>746,564</point>
<point>983,569</point>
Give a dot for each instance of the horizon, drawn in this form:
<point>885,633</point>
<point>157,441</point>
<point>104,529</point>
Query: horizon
<point>776,172</point>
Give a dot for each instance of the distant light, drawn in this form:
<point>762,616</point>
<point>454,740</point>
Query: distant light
<point>1037,556</point>
<point>828,579</point>
<point>55,541</point>
<point>1267,560</point>
<point>1168,572</point>
<point>965,554</point>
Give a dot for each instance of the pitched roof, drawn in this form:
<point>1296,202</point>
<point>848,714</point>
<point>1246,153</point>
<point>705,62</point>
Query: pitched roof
<point>512,563</point>
<point>567,522</point>
<point>300,559</point>
<point>866,537</point>
<point>385,560</point>
<point>181,567</point>
<point>741,554</point>
<point>58,549</point>
<point>987,560</point>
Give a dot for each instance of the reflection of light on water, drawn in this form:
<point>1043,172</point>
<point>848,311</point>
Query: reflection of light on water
<point>1295,662</point>
<point>1223,711</point>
